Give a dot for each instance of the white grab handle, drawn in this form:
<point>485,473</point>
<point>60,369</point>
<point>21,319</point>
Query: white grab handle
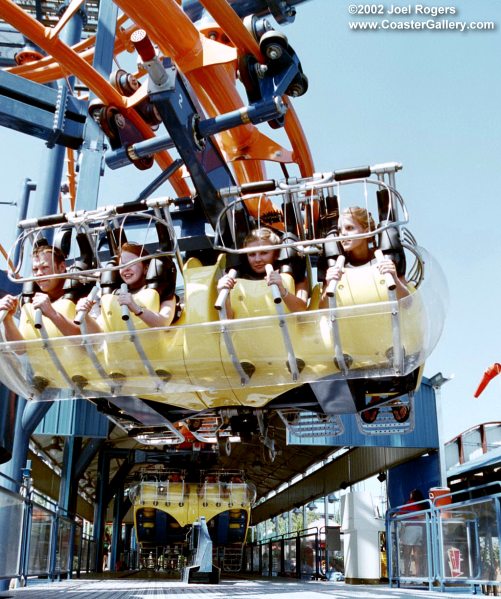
<point>389,280</point>
<point>275,289</point>
<point>38,318</point>
<point>223,294</point>
<point>81,313</point>
<point>331,287</point>
<point>125,309</point>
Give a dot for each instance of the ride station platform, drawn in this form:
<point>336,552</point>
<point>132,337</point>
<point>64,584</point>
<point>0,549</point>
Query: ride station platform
<point>278,588</point>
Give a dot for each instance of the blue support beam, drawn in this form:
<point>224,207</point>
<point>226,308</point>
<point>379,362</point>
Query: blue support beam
<point>260,112</point>
<point>116,539</point>
<point>30,107</point>
<point>103,475</point>
<point>93,146</point>
<point>208,169</point>
<point>7,416</point>
<point>118,480</point>
<point>27,417</point>
<point>69,482</point>
<point>50,186</point>
<point>86,456</point>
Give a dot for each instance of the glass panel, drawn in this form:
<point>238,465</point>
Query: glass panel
<point>255,558</point>
<point>290,557</point>
<point>410,537</point>
<point>11,517</point>
<point>394,550</point>
<point>193,363</point>
<point>84,563</point>
<point>92,555</point>
<point>308,557</point>
<point>492,436</point>
<point>63,545</point>
<point>470,542</point>
<point>265,560</point>
<point>452,455</point>
<point>40,537</point>
<point>276,557</point>
<point>77,540</point>
<point>472,445</point>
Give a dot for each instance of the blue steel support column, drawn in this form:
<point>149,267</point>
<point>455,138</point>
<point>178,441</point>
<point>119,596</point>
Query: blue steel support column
<point>28,518</point>
<point>86,456</point>
<point>50,186</point>
<point>7,420</point>
<point>27,418</point>
<point>67,490</point>
<point>53,544</point>
<point>69,485</point>
<point>103,475</point>
<point>92,151</point>
<point>116,533</point>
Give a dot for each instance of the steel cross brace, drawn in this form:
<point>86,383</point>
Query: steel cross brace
<point>40,111</point>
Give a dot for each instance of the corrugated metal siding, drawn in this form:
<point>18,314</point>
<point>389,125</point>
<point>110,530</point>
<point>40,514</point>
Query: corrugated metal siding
<point>78,417</point>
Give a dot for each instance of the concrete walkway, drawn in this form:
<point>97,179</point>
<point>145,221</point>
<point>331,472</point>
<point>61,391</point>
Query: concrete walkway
<point>134,588</point>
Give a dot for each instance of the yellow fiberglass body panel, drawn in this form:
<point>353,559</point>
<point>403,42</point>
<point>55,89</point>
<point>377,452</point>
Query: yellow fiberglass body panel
<point>258,342</point>
<point>50,362</point>
<point>145,363</point>
<point>207,369</point>
<point>198,362</point>
<point>366,335</point>
<point>366,326</point>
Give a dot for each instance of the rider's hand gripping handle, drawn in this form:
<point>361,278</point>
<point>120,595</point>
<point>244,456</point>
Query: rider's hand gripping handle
<point>275,289</point>
<point>331,287</point>
<point>223,294</point>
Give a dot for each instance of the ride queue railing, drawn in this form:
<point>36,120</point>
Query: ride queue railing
<point>43,541</point>
<point>456,540</point>
<point>13,519</point>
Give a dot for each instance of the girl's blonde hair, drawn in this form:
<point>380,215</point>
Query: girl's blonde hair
<point>265,235</point>
<point>362,216</point>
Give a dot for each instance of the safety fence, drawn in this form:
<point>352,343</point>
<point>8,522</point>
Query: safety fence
<point>42,539</point>
<point>452,540</point>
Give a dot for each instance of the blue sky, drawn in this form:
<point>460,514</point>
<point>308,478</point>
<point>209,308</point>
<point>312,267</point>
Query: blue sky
<point>429,99</point>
